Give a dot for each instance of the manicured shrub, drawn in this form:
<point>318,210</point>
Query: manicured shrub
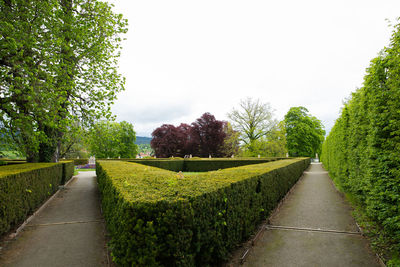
<point>362,150</point>
<point>24,187</point>
<point>77,162</point>
<point>200,164</point>
<point>157,218</point>
<point>167,164</point>
<point>205,165</point>
<point>12,162</point>
<point>68,171</point>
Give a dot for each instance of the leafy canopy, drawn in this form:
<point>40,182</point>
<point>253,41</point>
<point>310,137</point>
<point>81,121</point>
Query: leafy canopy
<point>58,65</point>
<point>304,133</point>
<point>362,150</point>
<point>206,136</point>
<point>112,140</point>
<point>252,119</point>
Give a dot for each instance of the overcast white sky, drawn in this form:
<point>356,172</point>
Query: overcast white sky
<point>184,58</point>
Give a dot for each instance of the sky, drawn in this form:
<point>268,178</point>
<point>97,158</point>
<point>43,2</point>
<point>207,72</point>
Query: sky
<point>184,58</point>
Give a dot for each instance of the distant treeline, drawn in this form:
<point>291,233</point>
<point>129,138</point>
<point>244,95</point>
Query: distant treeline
<point>141,140</point>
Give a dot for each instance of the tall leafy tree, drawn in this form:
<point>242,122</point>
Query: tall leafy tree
<point>231,144</point>
<point>167,141</point>
<point>304,133</point>
<point>271,145</point>
<point>58,65</point>
<point>202,138</point>
<point>112,140</point>
<point>253,119</point>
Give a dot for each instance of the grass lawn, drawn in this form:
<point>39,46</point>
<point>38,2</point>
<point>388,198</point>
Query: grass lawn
<point>83,170</point>
<point>190,173</point>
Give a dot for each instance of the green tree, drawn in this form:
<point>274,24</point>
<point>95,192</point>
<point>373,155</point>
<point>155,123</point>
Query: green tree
<point>271,145</point>
<point>58,65</point>
<point>252,119</point>
<point>231,141</point>
<point>112,140</point>
<point>304,133</point>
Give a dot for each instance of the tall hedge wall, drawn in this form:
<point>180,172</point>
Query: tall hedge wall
<point>24,187</point>
<point>362,152</point>
<point>200,164</point>
<point>157,218</point>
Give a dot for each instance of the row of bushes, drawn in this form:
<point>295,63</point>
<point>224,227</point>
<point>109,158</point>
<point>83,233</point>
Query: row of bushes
<point>155,217</point>
<point>24,187</point>
<point>362,150</point>
<point>200,164</point>
<point>77,161</point>
<point>11,162</point>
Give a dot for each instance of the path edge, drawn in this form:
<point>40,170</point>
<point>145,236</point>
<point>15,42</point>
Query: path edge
<point>13,235</point>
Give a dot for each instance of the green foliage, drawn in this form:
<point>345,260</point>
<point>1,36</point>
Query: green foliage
<point>73,144</point>
<point>304,133</point>
<point>67,172</point>
<point>112,140</point>
<point>24,187</point>
<point>166,164</point>
<point>157,218</point>
<point>200,164</point>
<point>362,150</point>
<point>252,120</point>
<point>58,66</point>
<point>271,145</point>
<point>145,148</point>
<point>77,162</point>
<point>205,165</point>
<point>12,155</point>
<point>231,141</point>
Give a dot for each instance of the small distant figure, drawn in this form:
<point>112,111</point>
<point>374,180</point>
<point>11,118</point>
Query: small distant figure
<point>209,156</point>
<point>232,156</point>
<point>287,154</point>
<point>119,157</point>
<point>190,156</point>
<point>259,156</point>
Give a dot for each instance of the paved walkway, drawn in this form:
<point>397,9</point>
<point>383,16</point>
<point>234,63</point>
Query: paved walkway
<point>313,227</point>
<point>69,231</point>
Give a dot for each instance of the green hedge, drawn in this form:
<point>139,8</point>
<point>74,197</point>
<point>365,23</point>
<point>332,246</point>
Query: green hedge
<point>205,165</point>
<point>200,164</point>
<point>362,151</point>
<point>12,162</point>
<point>77,161</point>
<point>157,218</point>
<point>23,188</point>
<point>68,171</point>
<point>166,164</point>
